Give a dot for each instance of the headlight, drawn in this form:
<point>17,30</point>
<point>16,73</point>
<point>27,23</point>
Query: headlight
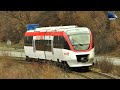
<point>88,56</point>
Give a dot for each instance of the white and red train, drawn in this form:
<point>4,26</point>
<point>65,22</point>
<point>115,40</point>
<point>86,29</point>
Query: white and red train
<point>71,44</point>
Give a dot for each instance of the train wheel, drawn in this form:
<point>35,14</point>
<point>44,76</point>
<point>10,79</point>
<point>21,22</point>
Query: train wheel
<point>28,59</point>
<point>87,68</point>
<point>58,63</point>
<point>65,66</point>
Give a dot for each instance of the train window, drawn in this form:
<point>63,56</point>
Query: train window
<point>55,42</point>
<point>47,45</point>
<point>43,45</point>
<point>60,42</point>
<point>28,40</point>
<point>66,45</point>
<point>39,44</point>
<point>80,41</point>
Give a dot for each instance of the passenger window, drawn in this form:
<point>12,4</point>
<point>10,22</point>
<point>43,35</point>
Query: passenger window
<point>28,40</point>
<point>39,44</point>
<point>43,45</point>
<point>60,42</point>
<point>66,46</point>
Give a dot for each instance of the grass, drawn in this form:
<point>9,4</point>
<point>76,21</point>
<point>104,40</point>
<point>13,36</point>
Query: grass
<point>16,69</point>
<point>13,69</point>
<point>4,44</point>
<point>106,66</point>
<point>14,47</point>
<point>116,71</point>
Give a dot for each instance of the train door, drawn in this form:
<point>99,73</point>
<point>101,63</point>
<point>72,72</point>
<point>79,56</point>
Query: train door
<point>29,46</point>
<point>57,48</point>
<point>38,47</point>
<point>48,47</point>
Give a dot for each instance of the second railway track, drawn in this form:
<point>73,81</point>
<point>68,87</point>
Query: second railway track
<point>95,75</point>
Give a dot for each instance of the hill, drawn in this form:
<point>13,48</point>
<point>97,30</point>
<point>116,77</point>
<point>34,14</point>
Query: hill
<point>106,33</point>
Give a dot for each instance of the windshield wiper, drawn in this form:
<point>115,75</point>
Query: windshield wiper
<point>78,43</point>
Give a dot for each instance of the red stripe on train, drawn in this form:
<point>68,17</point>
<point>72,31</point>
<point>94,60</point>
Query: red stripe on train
<point>61,33</point>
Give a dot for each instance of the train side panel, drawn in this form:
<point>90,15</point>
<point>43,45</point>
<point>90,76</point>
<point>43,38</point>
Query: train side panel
<point>74,58</point>
<point>29,51</point>
<point>58,54</point>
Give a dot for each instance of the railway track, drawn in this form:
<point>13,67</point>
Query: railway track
<point>107,75</point>
<point>91,74</point>
<point>95,75</point>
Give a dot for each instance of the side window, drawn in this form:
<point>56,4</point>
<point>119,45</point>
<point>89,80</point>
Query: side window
<point>60,42</point>
<point>47,44</point>
<point>43,45</point>
<point>39,44</point>
<point>66,46</point>
<point>28,40</point>
<point>55,42</point>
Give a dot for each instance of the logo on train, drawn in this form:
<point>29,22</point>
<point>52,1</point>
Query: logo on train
<point>67,53</point>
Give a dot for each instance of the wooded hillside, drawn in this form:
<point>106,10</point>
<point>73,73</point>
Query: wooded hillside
<point>106,33</point>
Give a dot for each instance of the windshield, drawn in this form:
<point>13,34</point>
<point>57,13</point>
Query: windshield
<point>80,41</point>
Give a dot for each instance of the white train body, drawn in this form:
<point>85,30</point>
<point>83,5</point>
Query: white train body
<point>71,44</point>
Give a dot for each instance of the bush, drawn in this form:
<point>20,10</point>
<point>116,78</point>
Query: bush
<point>105,65</point>
<point>116,71</point>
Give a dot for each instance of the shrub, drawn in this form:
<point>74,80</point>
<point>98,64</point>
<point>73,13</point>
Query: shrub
<point>105,65</point>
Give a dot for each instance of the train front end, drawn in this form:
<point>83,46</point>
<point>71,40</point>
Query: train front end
<point>82,47</point>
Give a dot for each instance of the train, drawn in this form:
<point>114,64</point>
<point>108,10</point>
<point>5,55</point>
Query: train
<point>70,44</point>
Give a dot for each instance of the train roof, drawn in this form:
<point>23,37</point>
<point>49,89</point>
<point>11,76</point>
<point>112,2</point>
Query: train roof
<point>82,29</point>
<point>55,28</point>
<point>61,28</point>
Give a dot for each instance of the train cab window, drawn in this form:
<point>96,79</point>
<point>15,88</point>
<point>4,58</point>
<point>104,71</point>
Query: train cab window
<point>28,40</point>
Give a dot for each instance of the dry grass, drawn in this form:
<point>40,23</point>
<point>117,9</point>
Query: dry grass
<point>12,69</point>
<point>108,67</point>
<point>116,71</point>
<point>104,65</point>
<point>17,68</point>
<point>6,53</point>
